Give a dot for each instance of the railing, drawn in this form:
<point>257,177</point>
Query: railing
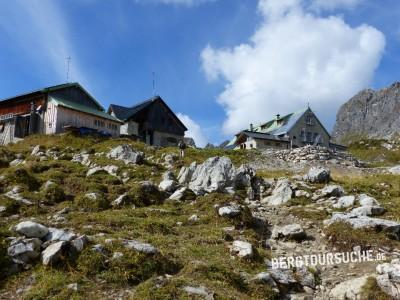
<point>6,116</point>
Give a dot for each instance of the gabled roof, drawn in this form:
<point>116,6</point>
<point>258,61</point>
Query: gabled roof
<point>53,88</point>
<point>283,126</point>
<point>263,136</point>
<point>82,108</point>
<point>125,113</point>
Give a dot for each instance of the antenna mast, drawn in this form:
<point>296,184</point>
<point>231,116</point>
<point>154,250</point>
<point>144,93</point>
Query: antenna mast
<point>68,63</point>
<point>154,83</point>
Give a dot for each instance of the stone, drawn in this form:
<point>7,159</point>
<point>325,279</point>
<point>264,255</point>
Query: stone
<point>283,276</point>
<point>121,201</point>
<point>127,154</point>
<point>266,278</point>
<point>344,202</point>
<point>193,218</point>
<point>16,162</point>
<point>55,234</point>
<point>365,200</point>
<point>80,243</point>
<point>35,150</point>
<point>305,277</point>
<point>230,211</point>
<point>395,170</point>
<point>367,210</point>
<point>242,249</point>
<point>331,190</point>
<point>14,194</point>
<point>318,175</point>
<point>350,289</point>
<point>281,194</point>
<point>110,169</point>
<point>214,175</point>
<point>201,291</point>
<point>185,174</point>
<point>179,194</point>
<point>301,193</point>
<point>168,185</point>
<point>290,232</point>
<point>366,222</point>
<point>53,253</point>
<point>31,229</point>
<point>388,278</point>
<point>81,158</point>
<point>23,251</point>
<point>73,286</point>
<point>139,246</point>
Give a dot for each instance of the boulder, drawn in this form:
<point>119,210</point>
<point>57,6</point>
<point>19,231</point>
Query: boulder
<point>242,249</point>
<point>55,234</point>
<point>283,276</point>
<point>357,222</point>
<point>182,193</point>
<point>185,174</point>
<point>281,194</point>
<point>229,211</point>
<point>23,251</point>
<point>318,175</point>
<point>290,232</point>
<point>365,200</point>
<point>349,289</point>
<point>214,175</point>
<point>31,229</point>
<point>139,246</point>
<point>110,169</point>
<point>331,190</point>
<point>53,253</point>
<point>127,154</point>
<point>81,158</point>
<point>345,201</point>
<point>79,243</point>
<point>367,210</point>
<point>168,185</point>
<point>388,278</point>
<point>200,291</point>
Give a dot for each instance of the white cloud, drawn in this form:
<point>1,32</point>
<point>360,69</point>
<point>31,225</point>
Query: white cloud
<point>194,130</point>
<point>39,28</point>
<point>292,58</point>
<point>334,4</point>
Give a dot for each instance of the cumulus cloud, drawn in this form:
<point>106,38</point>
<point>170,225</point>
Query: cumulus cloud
<point>294,57</point>
<point>194,130</point>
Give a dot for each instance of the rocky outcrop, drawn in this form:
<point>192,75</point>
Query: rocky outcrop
<point>127,154</point>
<point>370,113</point>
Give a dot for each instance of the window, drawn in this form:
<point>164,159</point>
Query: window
<point>309,120</point>
<point>309,137</point>
<point>2,126</point>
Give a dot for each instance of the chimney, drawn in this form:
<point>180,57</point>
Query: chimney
<point>278,117</point>
<point>251,127</point>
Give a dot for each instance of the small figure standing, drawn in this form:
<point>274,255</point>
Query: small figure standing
<point>182,147</point>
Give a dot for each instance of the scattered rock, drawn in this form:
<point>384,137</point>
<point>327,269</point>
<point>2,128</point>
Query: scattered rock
<point>349,289</point>
<point>281,194</point>
<point>242,249</point>
<point>23,251</point>
<point>127,154</point>
<point>31,229</point>
<point>345,201</point>
<point>199,291</point>
<point>388,278</point>
<point>53,253</point>
<point>318,175</point>
<point>139,246</point>
<point>55,234</point>
<point>290,232</point>
<point>230,211</point>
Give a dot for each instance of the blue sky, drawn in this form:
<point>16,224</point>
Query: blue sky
<point>217,62</point>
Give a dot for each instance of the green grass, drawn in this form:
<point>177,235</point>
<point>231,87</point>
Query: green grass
<point>372,152</point>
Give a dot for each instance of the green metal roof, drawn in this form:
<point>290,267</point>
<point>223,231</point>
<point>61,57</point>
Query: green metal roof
<point>82,108</point>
